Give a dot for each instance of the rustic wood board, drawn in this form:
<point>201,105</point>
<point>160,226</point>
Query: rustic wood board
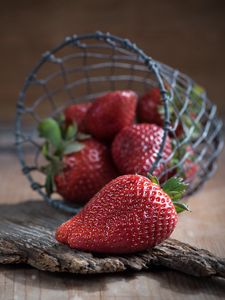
<point>27,236</point>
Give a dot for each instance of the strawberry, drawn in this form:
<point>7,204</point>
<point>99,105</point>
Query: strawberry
<point>78,166</point>
<point>85,172</point>
<point>184,164</point>
<point>148,107</point>
<point>190,168</point>
<point>110,113</point>
<point>130,214</point>
<point>150,110</point>
<point>76,113</point>
<point>135,148</point>
<point>186,167</point>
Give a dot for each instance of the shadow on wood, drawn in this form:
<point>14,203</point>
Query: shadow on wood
<point>27,236</point>
<point>166,281</point>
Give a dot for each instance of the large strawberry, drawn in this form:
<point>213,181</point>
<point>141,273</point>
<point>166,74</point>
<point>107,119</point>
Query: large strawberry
<point>136,147</point>
<point>78,165</point>
<point>75,113</point>
<point>130,214</point>
<point>110,113</point>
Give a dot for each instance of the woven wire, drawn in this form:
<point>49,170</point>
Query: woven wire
<point>84,67</point>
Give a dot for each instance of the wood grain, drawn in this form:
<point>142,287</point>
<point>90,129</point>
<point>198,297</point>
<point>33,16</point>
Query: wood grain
<point>203,228</point>
<point>27,236</point>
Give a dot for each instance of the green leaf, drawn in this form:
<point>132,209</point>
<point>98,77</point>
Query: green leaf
<point>175,188</point>
<point>153,179</point>
<point>74,147</point>
<point>56,165</point>
<point>50,130</point>
<point>197,90</point>
<point>49,182</point>
<point>83,136</point>
<point>50,170</point>
<point>180,207</point>
<point>71,132</point>
<point>45,149</point>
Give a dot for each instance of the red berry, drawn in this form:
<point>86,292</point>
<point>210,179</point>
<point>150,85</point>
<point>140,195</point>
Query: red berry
<point>111,113</point>
<point>85,172</point>
<point>75,113</point>
<point>149,111</point>
<point>148,107</point>
<point>190,167</point>
<point>186,168</point>
<point>136,147</point>
<point>129,214</point>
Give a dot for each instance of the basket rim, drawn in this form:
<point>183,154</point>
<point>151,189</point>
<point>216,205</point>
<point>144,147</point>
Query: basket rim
<point>152,65</point>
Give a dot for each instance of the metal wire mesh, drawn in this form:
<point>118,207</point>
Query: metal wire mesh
<point>84,67</point>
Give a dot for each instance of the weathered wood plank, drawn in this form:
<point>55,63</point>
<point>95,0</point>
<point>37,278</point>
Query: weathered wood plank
<point>27,236</point>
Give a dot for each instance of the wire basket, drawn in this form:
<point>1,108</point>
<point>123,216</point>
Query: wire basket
<point>86,66</point>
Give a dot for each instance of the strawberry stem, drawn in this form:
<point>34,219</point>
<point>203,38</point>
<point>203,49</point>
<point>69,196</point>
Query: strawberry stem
<point>180,207</point>
<point>153,179</point>
<point>59,140</point>
<point>175,189</point>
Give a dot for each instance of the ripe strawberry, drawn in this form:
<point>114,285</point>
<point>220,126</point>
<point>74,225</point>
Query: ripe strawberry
<point>187,167</point>
<point>148,107</point>
<point>190,167</point>
<point>85,172</point>
<point>150,110</point>
<point>130,214</point>
<point>190,170</point>
<point>75,113</point>
<point>76,170</point>
<point>136,147</point>
<point>110,113</point>
<point>183,164</point>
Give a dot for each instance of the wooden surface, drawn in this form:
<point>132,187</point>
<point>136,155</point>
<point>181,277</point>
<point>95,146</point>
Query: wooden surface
<point>204,228</point>
<point>27,235</point>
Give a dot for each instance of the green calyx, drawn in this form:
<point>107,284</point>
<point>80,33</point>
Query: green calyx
<point>60,140</point>
<point>50,130</point>
<point>175,189</point>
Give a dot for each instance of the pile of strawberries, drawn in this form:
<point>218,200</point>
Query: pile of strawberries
<point>103,152</point>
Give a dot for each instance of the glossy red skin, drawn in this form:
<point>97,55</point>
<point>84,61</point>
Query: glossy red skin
<point>190,168</point>
<point>148,107</point>
<point>148,111</point>
<point>111,113</point>
<point>130,214</point>
<point>85,172</point>
<point>135,148</point>
<point>75,113</point>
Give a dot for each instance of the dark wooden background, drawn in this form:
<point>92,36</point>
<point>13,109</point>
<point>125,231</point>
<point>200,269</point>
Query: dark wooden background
<point>188,35</point>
